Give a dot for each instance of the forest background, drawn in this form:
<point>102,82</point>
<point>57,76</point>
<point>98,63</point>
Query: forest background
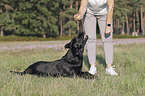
<point>53,18</point>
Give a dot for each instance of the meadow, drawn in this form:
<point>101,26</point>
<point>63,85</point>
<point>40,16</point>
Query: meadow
<point>129,61</point>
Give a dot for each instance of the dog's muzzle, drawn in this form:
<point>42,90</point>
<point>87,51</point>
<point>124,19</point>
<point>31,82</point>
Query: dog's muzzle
<point>85,37</point>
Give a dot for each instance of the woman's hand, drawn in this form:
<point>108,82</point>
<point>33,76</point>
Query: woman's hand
<point>78,17</point>
<point>108,30</point>
<point>82,10</point>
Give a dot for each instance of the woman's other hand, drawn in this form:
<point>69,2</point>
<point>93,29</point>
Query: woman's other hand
<point>108,30</point>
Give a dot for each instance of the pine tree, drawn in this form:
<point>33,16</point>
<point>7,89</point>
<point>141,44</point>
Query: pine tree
<point>141,17</point>
<point>36,18</point>
<point>29,17</point>
<point>6,22</point>
<point>126,14</point>
<point>69,25</point>
<point>120,12</point>
<point>52,18</point>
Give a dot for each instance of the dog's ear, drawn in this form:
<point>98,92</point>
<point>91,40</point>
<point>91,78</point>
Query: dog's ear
<point>67,45</point>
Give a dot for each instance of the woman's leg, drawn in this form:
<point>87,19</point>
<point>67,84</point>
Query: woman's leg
<point>107,44</point>
<point>106,39</point>
<point>90,30</point>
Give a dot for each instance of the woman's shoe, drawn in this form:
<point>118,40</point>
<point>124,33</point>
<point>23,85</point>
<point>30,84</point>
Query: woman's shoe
<point>111,71</point>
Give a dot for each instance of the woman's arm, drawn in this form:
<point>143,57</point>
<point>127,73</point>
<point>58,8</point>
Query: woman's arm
<point>82,9</point>
<point>110,4</point>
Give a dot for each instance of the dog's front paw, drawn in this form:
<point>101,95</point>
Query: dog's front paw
<point>87,75</point>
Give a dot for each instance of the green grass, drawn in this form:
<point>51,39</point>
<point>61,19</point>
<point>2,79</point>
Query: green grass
<point>129,62</point>
<point>18,38</point>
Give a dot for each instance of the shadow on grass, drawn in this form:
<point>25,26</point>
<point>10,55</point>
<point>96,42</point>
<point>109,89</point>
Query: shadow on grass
<point>99,58</point>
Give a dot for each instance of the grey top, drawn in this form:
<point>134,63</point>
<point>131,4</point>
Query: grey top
<point>97,7</point>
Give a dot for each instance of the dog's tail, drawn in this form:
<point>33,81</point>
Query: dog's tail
<point>20,73</point>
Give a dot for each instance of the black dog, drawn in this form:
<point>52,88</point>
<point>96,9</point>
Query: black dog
<point>69,65</point>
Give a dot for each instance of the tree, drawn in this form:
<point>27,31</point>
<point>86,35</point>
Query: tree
<point>50,18</point>
<point>141,17</point>
<point>36,18</point>
<point>30,17</point>
<point>69,25</point>
<point>126,14</point>
<point>142,23</point>
<point>120,12</point>
<point>6,22</point>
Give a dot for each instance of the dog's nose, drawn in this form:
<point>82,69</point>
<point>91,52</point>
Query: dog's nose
<point>85,36</point>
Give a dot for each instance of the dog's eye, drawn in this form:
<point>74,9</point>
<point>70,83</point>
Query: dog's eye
<point>77,40</point>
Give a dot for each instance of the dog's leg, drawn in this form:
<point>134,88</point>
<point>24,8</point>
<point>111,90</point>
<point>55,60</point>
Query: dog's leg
<point>87,75</point>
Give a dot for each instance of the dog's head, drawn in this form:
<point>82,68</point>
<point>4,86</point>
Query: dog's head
<point>77,44</point>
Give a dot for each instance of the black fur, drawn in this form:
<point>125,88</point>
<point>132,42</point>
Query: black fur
<point>69,65</point>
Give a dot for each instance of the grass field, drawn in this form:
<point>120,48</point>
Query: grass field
<point>25,38</point>
<point>129,61</point>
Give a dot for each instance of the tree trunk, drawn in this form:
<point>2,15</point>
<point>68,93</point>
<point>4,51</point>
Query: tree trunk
<point>61,24</point>
<point>78,28</point>
<point>69,30</point>
<point>137,16</point>
<point>115,25</point>
<point>2,32</point>
<point>134,29</point>
<point>130,23</point>
<point>44,36</point>
<point>1,10</point>
<point>61,27</point>
<point>71,3</point>
<point>134,33</point>
<point>142,22</point>
<point>122,32</point>
<point>127,25</point>
<point>118,31</point>
<point>7,12</point>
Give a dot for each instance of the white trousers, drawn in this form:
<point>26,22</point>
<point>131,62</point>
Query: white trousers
<point>90,29</point>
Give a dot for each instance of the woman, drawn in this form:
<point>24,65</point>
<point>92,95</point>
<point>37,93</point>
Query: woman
<point>102,11</point>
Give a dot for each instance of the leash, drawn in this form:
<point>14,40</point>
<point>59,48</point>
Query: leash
<point>83,26</point>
